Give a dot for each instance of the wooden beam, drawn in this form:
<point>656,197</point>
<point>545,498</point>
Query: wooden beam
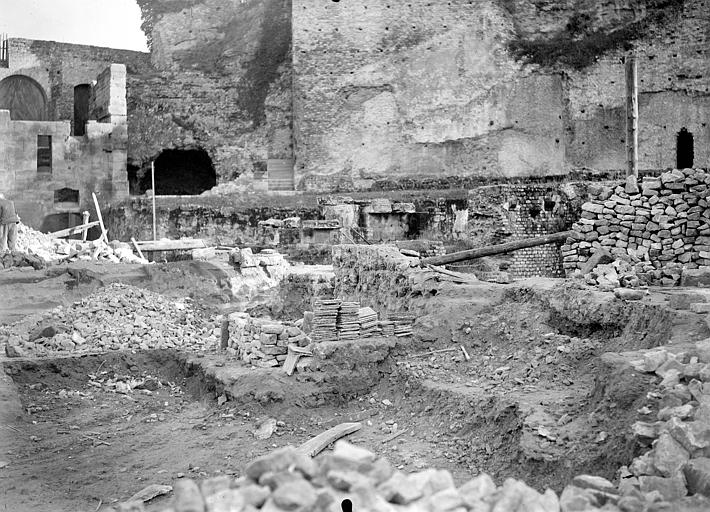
<point>138,249</point>
<point>74,230</point>
<point>314,446</point>
<point>104,233</point>
<point>86,215</point>
<point>171,245</point>
<point>496,249</point>
<point>632,113</point>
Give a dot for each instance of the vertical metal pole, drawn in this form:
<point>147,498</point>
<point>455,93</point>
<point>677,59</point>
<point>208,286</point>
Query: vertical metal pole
<point>152,179</point>
<point>632,114</point>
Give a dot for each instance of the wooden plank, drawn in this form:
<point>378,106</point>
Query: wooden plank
<point>104,233</point>
<point>393,436</point>
<point>138,249</point>
<point>171,245</point>
<point>496,249</point>
<point>632,113</point>
<point>85,216</point>
<point>314,446</point>
<point>74,230</point>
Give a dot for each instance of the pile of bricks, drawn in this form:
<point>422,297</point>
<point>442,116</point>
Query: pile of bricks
<point>661,230</point>
<point>262,342</point>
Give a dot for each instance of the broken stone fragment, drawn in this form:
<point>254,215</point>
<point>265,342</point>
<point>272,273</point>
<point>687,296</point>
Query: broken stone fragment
<point>629,293</point>
<point>697,475</point>
<point>399,490</point>
<point>593,482</point>
<point>280,460</point>
<point>226,500</point>
<point>477,490</point>
<point>344,450</point>
<point>187,496</point>
<point>513,493</point>
<point>298,494</point>
<point>670,488</point>
<point>668,455</point>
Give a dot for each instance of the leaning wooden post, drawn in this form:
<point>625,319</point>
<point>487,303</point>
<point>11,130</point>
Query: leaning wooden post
<point>632,113</point>
<point>85,221</point>
<point>152,179</point>
<point>104,233</point>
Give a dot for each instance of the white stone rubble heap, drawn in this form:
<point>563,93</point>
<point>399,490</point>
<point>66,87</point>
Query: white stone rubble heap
<point>118,317</point>
<point>50,249</point>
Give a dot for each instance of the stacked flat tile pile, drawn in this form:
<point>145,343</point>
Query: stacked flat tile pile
<point>368,321</point>
<point>386,327</point>
<point>287,480</point>
<point>402,324</point>
<point>660,230</point>
<point>325,314</point>
<point>348,321</point>
<point>262,342</point>
<point>118,317</point>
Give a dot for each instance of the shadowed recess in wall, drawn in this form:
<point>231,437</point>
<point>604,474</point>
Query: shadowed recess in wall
<point>180,172</point>
<point>582,40</point>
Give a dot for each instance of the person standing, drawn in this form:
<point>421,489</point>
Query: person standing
<point>8,225</point>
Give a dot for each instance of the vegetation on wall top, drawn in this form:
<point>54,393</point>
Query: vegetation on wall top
<point>582,40</point>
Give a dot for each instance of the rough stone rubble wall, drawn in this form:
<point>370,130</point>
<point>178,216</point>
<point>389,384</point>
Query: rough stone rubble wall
<point>261,341</point>
<point>375,275</point>
<point>665,225</point>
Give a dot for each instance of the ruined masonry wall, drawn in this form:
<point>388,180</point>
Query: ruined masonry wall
<point>261,341</point>
<point>375,275</point>
<point>666,225</point>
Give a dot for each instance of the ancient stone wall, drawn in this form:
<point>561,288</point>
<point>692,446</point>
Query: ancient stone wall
<point>673,83</point>
<point>223,84</point>
<point>416,89</point>
<point>59,67</point>
<point>419,89</point>
<point>664,227</point>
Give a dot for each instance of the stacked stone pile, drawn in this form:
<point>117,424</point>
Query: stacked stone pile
<point>659,231</point>
<point>118,317</point>
<point>261,341</point>
<point>52,249</point>
<point>286,480</point>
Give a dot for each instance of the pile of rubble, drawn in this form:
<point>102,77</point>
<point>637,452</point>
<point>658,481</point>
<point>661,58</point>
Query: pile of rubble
<point>660,230</point>
<point>677,425</point>
<point>261,341</point>
<point>52,249</point>
<point>288,479</point>
<point>118,317</point>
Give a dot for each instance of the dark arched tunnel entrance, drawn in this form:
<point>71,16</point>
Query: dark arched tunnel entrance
<point>179,172</point>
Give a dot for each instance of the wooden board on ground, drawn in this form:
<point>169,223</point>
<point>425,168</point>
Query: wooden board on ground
<point>314,446</point>
<point>171,245</point>
<point>74,230</point>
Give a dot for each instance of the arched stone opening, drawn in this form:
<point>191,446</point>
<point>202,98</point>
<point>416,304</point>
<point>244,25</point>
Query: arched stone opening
<point>24,98</point>
<point>684,149</point>
<point>180,172</point>
<point>82,97</point>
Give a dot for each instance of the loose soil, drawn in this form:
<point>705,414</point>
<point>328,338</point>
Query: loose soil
<point>535,401</point>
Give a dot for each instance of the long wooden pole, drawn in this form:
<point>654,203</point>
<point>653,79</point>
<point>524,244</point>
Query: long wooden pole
<point>497,249</point>
<point>104,233</point>
<point>632,113</point>
<point>152,179</point>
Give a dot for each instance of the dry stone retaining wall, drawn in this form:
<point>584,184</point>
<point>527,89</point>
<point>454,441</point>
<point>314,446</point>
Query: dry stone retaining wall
<point>662,230</point>
<point>262,341</point>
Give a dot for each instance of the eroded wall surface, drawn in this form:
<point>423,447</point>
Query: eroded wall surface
<point>222,83</point>
<point>415,90</point>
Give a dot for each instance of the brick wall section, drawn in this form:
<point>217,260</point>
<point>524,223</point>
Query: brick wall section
<point>666,225</point>
<point>536,211</point>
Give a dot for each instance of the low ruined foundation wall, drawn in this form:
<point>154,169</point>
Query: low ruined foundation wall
<point>262,342</point>
<point>375,275</point>
<point>662,230</point>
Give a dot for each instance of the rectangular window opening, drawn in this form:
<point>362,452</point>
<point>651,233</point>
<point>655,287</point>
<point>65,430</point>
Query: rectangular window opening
<point>44,154</point>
